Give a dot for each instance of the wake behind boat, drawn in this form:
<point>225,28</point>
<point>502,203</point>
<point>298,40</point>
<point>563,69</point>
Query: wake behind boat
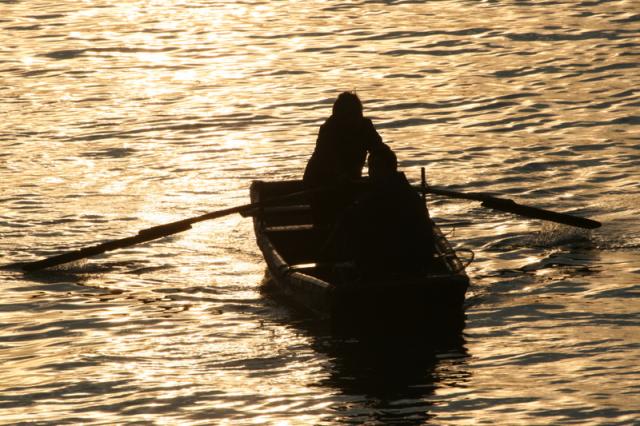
<point>291,246</point>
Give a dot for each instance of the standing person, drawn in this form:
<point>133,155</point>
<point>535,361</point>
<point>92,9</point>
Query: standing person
<point>339,156</point>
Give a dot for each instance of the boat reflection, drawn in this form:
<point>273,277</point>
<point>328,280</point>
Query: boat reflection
<point>389,381</point>
<point>381,377</point>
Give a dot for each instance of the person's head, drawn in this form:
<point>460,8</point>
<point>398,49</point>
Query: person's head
<point>382,162</point>
<point>347,107</point>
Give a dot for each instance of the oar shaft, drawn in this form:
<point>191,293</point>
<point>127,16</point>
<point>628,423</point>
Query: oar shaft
<point>473,196</point>
<point>144,235</point>
<point>510,206</point>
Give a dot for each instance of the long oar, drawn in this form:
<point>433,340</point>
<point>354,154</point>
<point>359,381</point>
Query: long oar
<point>145,235</point>
<point>510,206</point>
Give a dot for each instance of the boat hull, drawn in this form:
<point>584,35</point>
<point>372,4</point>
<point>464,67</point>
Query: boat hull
<point>335,291</point>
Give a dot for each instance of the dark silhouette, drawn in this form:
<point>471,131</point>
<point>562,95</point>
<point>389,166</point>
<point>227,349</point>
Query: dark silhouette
<point>339,156</point>
<point>387,230</point>
<point>390,377</point>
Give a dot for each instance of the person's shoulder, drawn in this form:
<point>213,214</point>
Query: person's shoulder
<point>400,185</point>
<point>328,125</point>
<point>367,122</point>
<point>397,181</point>
<point>402,178</point>
<point>325,130</point>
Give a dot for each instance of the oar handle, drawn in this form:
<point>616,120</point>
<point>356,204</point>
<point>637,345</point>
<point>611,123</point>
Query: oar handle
<point>473,196</point>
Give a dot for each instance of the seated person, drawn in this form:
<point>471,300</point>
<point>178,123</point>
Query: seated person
<point>388,230</point>
<point>339,156</point>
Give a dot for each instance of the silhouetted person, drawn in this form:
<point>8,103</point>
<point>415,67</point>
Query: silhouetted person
<point>339,156</point>
<point>388,230</point>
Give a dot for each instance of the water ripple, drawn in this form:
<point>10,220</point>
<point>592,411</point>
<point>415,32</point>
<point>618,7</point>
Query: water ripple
<point>121,116</point>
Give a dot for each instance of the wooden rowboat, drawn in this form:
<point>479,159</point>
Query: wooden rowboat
<point>290,245</point>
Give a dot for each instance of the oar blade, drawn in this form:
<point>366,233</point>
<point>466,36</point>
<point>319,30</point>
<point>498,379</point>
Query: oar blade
<point>16,266</point>
<point>143,236</point>
<point>509,206</point>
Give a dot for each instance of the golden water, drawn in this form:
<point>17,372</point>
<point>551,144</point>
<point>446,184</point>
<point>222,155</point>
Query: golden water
<point>119,116</point>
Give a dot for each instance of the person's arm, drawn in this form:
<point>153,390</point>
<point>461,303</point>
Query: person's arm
<point>372,137</point>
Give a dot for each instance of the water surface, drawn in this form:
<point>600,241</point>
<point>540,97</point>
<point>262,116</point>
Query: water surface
<point>120,116</point>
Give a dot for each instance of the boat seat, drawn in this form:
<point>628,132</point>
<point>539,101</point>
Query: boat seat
<point>301,267</point>
<point>293,208</point>
<point>290,228</point>
<point>277,210</point>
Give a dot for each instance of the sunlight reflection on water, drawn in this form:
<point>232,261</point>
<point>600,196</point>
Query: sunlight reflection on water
<point>121,116</point>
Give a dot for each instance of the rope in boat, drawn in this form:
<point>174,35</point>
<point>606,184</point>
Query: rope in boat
<point>471,259</point>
